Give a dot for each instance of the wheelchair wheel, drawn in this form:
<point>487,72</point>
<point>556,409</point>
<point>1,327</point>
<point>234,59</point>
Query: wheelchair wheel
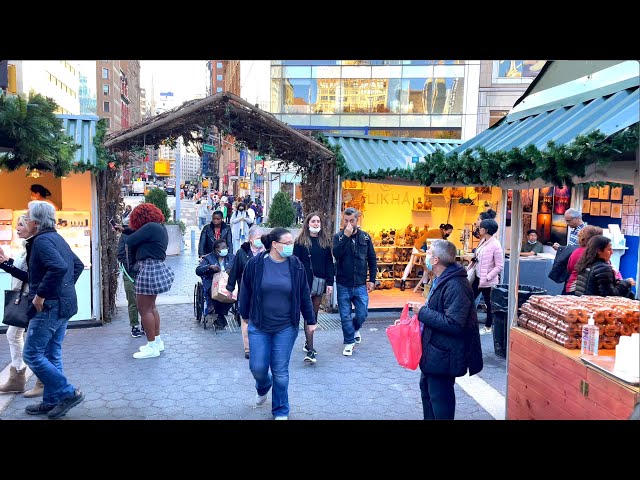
<point>198,302</point>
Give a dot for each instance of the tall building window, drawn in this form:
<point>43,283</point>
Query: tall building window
<point>105,73</point>
<point>106,106</point>
<point>218,89</point>
<point>496,115</point>
<point>105,89</point>
<point>108,122</point>
<point>219,78</point>
<point>219,65</point>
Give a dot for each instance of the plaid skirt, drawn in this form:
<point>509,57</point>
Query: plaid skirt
<point>154,277</point>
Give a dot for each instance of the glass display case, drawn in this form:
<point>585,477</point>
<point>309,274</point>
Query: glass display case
<point>73,225</point>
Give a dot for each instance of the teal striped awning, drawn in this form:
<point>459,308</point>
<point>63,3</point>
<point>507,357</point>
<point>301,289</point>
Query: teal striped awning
<point>374,153</point>
<point>82,128</point>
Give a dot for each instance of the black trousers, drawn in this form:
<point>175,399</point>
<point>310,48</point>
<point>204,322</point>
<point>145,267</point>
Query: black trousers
<point>438,397</point>
<point>486,295</point>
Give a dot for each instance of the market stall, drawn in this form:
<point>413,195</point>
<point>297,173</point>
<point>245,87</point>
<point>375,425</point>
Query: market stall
<point>75,200</point>
<point>546,379</point>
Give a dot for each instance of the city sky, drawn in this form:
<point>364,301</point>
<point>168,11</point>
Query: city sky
<point>187,79</point>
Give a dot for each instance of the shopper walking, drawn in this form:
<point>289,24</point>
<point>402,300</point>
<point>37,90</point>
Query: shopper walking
<point>15,335</point>
<point>246,252</point>
<point>53,271</point>
<point>450,338</point>
<point>148,245</point>
<point>355,258</point>
<point>273,294</point>
<point>239,225</point>
<point>313,248</point>
<point>213,231</point>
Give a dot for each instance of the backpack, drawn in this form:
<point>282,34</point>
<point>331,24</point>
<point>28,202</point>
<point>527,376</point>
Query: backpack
<point>559,272</point>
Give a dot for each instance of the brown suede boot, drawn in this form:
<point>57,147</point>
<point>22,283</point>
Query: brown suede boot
<point>36,391</point>
<point>16,381</point>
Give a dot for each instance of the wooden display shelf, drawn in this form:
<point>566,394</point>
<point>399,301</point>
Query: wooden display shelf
<point>550,382</point>
<point>423,211</point>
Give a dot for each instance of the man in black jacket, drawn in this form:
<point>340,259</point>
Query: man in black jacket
<point>215,230</point>
<point>128,278</point>
<point>450,335</point>
<point>355,258</point>
<point>53,271</point>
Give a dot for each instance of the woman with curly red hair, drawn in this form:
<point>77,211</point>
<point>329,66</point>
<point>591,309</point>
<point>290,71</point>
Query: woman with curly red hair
<point>148,245</point>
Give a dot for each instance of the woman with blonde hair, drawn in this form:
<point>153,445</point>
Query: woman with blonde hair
<point>18,269</point>
<point>313,249</point>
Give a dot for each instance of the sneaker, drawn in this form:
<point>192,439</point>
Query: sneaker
<point>38,409</point>
<point>260,399</point>
<point>281,417</point>
<point>305,349</point>
<point>65,405</point>
<point>135,332</point>
<point>310,356</point>
<point>486,330</point>
<point>246,354</point>
<point>357,336</point>
<point>160,344</point>
<point>348,349</point>
<point>147,351</point>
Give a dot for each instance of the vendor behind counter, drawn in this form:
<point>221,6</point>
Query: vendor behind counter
<point>531,246</point>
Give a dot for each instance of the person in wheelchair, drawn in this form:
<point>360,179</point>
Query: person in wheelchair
<point>218,260</point>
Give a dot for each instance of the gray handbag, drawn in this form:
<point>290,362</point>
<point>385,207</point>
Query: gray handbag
<point>318,287</point>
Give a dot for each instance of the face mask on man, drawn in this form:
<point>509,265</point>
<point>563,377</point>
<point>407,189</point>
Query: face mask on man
<point>258,243</point>
<point>427,263</point>
<point>476,232</point>
<point>224,252</point>
<point>446,235</point>
<point>314,229</point>
<point>532,242</point>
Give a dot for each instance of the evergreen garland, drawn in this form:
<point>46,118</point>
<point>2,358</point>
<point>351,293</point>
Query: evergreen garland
<point>35,134</point>
<point>556,164</point>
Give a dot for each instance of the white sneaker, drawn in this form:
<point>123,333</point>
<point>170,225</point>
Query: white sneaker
<point>147,351</point>
<point>357,336</point>
<point>260,399</point>
<point>348,349</point>
<point>486,330</point>
<point>281,417</point>
<point>160,345</point>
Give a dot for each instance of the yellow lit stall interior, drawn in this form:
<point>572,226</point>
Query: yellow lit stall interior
<point>395,215</point>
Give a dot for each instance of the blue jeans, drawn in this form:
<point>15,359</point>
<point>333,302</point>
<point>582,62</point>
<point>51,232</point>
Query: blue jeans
<point>43,353</point>
<point>438,397</point>
<point>202,221</point>
<point>360,299</point>
<point>272,350</point>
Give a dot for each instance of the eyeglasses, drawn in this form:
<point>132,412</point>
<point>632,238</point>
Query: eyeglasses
<point>282,243</point>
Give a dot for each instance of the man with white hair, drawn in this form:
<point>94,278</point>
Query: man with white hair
<point>53,271</point>
<point>574,220</point>
<point>450,336</point>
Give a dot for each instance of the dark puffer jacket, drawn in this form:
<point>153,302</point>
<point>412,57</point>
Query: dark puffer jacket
<point>243,255</point>
<point>451,339</point>
<point>207,238</point>
<point>599,279</point>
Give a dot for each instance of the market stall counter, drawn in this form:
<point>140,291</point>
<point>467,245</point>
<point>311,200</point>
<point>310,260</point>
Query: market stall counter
<point>534,271</point>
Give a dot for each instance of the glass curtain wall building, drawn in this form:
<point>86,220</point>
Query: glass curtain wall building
<point>395,98</point>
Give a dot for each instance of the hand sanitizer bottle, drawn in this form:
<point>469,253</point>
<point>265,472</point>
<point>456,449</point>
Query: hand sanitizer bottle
<point>590,337</point>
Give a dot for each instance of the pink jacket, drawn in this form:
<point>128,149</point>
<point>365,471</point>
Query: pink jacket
<point>490,262</point>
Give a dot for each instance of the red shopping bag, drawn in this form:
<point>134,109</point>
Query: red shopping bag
<point>406,340</point>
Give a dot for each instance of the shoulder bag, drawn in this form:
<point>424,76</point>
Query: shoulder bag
<point>318,285</point>
<point>16,307</point>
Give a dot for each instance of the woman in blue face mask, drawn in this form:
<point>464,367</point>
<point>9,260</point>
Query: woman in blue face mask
<point>273,293</point>
<point>220,260</point>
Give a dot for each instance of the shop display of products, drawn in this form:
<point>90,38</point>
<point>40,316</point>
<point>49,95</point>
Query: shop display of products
<point>567,315</point>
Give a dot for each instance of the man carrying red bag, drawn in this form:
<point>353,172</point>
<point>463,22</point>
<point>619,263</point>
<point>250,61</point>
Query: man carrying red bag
<point>450,337</point>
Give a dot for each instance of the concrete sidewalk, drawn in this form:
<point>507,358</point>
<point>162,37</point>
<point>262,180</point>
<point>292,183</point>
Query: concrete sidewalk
<point>204,375</point>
